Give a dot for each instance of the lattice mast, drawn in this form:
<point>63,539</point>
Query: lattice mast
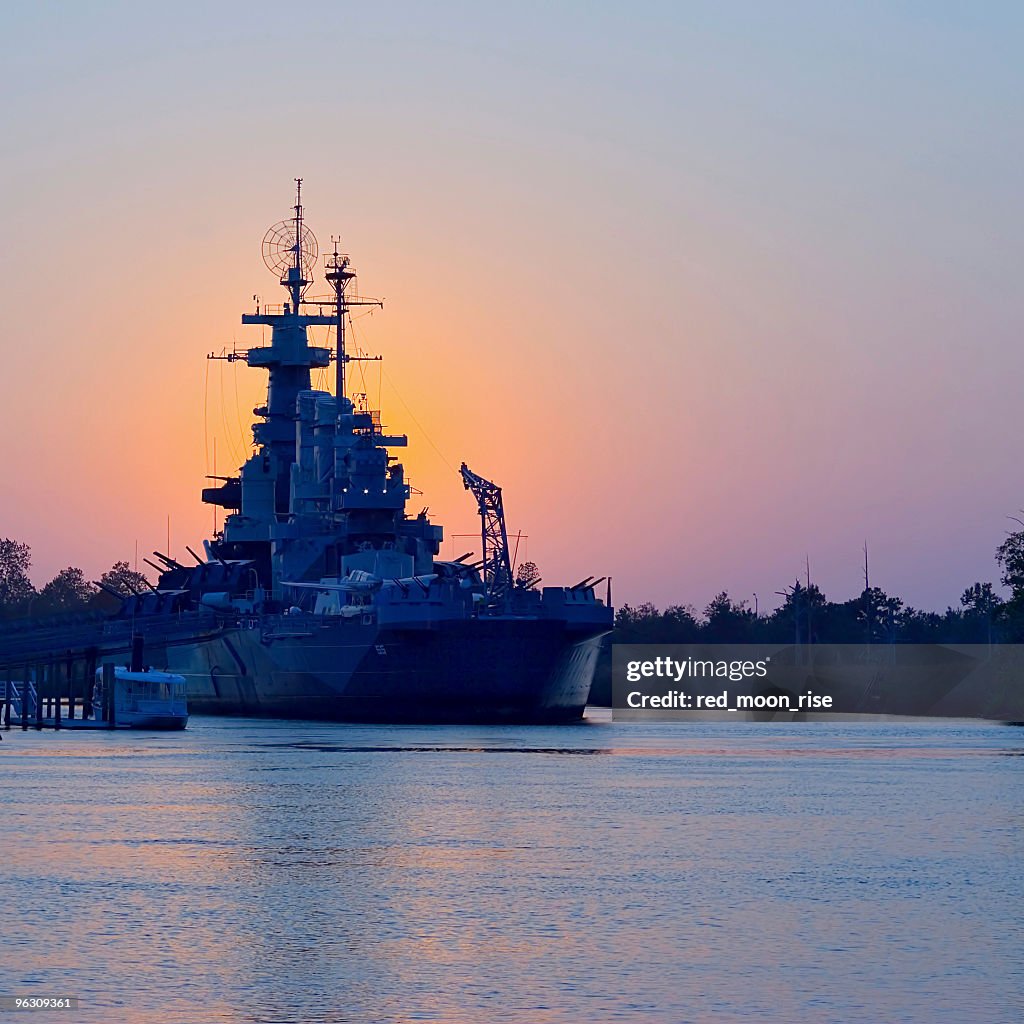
<point>497,563</point>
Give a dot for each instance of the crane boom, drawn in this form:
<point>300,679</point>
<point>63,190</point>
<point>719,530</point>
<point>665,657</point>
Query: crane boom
<point>497,564</point>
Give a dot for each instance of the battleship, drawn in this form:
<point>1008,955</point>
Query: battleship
<point>329,600</point>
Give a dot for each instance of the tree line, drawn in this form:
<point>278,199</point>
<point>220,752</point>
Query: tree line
<point>807,616</point>
<point>68,591</point>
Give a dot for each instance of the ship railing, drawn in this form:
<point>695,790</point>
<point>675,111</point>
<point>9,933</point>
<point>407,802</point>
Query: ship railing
<point>277,308</point>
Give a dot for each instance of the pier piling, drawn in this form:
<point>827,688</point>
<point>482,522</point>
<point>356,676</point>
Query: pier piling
<point>24,699</point>
<point>90,679</point>
<point>108,695</point>
<point>55,689</point>
<point>40,683</point>
<point>71,688</point>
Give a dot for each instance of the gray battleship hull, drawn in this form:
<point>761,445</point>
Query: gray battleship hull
<point>303,667</point>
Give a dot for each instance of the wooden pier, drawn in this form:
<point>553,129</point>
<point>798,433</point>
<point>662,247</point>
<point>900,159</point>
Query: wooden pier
<point>48,667</point>
<point>45,703</point>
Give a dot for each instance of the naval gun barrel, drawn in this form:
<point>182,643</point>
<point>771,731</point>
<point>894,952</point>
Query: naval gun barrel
<point>168,560</point>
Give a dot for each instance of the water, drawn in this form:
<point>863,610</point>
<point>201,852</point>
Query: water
<point>265,871</point>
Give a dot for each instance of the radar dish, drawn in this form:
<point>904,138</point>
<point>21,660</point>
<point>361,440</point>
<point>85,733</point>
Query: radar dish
<point>279,247</point>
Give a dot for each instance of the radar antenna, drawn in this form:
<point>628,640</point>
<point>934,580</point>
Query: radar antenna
<point>290,251</point>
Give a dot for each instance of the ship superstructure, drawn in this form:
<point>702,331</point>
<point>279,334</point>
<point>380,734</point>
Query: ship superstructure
<point>321,495</point>
<point>335,602</point>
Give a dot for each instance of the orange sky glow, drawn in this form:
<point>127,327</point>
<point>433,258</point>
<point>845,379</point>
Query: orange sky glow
<point>703,299</point>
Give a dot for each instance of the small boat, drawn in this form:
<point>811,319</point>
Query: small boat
<point>144,699</point>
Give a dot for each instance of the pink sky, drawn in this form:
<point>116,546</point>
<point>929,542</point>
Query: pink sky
<point>705,292</point>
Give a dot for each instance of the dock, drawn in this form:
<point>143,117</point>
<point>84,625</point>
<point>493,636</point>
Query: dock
<point>48,667</point>
<point>22,705</point>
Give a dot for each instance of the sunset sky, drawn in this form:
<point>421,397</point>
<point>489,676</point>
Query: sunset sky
<point>706,287</point>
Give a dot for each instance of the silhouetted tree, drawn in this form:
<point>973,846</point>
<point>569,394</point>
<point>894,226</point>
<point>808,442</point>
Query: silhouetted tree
<point>1010,556</point>
<point>726,621</point>
<point>801,613</point>
<point>680,624</point>
<point>917,627</point>
<point>645,624</point>
<point>67,591</point>
<point>881,615</point>
<point>980,599</point>
<point>638,625</point>
<point>125,580</point>
<point>527,575</point>
<point>16,588</point>
<point>982,607</point>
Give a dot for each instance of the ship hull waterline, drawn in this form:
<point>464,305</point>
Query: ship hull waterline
<point>499,671</point>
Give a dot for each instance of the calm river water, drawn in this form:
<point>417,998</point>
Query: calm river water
<point>283,872</point>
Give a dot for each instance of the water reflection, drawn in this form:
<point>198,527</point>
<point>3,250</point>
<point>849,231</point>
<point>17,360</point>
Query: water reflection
<point>248,871</point>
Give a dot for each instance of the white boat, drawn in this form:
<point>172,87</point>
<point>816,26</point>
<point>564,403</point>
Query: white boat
<point>142,700</point>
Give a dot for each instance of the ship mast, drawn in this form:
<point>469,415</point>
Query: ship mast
<point>294,280</point>
<point>339,275</point>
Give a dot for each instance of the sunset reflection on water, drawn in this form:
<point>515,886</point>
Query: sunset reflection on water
<point>249,871</point>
